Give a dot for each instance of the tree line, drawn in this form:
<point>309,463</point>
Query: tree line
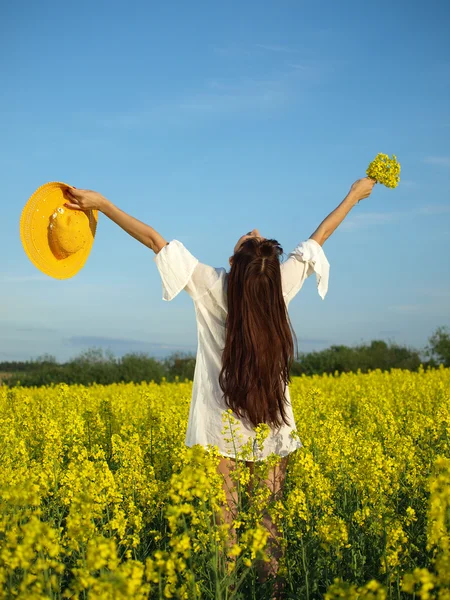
<point>99,366</point>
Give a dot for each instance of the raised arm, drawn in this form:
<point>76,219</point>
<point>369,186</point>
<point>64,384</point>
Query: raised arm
<point>362,188</point>
<point>90,200</point>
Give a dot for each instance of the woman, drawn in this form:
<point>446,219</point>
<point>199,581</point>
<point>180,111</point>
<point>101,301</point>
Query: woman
<point>245,338</point>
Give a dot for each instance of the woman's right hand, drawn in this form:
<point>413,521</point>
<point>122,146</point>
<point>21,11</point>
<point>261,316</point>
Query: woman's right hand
<point>84,199</point>
<point>362,188</point>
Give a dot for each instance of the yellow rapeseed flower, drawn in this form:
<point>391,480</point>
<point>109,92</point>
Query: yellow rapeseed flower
<point>101,498</point>
<point>385,170</point>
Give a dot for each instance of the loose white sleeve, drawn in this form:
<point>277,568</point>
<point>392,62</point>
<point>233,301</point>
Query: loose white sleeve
<point>179,270</point>
<point>307,258</point>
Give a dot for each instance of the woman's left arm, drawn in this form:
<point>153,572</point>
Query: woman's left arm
<point>90,200</point>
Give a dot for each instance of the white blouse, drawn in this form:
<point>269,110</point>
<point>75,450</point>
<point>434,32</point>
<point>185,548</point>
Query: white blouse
<point>207,286</point>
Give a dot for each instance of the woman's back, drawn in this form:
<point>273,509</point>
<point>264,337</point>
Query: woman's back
<point>208,288</point>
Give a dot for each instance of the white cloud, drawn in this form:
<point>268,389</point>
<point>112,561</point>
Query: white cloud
<point>437,291</point>
<point>434,308</point>
<point>369,220</point>
<point>276,48</point>
<point>220,97</point>
<point>442,161</point>
<point>433,209</point>
<point>408,308</point>
<point>241,50</point>
<point>22,278</point>
<point>233,50</point>
<point>298,66</point>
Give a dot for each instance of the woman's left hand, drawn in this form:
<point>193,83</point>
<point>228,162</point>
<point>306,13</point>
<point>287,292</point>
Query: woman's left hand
<point>84,199</point>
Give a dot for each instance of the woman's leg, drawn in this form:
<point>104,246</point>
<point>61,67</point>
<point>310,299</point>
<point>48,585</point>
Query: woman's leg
<point>275,482</point>
<point>229,509</point>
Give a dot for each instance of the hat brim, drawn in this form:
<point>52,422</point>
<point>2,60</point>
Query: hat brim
<point>34,223</point>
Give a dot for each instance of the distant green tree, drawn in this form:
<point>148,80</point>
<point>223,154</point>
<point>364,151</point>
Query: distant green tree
<point>46,359</point>
<point>94,365</point>
<point>439,346</point>
<point>37,374</point>
<point>181,365</point>
<point>342,359</point>
<point>380,355</point>
<point>99,366</point>
<point>140,367</point>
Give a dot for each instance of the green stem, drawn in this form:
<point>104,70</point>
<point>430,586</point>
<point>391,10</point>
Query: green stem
<point>305,568</point>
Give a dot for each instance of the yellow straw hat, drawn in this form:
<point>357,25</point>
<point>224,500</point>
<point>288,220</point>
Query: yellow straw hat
<point>56,239</point>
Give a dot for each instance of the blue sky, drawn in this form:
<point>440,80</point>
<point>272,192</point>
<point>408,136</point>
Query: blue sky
<point>206,120</point>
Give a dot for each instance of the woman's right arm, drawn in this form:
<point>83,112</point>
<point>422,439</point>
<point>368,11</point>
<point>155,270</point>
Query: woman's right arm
<point>90,200</point>
<point>362,188</point>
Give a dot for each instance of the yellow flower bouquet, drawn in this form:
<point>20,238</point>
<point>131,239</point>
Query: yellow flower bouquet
<point>385,170</point>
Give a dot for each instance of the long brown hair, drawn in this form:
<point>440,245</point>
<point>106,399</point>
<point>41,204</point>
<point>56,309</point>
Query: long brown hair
<point>259,345</point>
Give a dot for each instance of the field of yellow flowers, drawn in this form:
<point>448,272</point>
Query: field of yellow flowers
<point>100,498</point>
